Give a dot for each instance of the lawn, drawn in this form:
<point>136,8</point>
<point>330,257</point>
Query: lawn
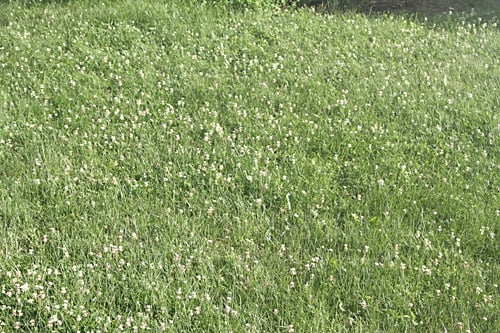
<point>182,167</point>
<point>430,7</point>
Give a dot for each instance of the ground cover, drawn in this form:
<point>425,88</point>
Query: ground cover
<point>431,7</point>
<point>174,167</point>
<point>487,8</point>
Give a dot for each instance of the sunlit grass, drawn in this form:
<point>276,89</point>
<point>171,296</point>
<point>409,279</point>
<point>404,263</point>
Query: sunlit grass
<point>174,167</point>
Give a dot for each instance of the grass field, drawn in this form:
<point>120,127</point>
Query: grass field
<point>486,8</point>
<point>167,166</point>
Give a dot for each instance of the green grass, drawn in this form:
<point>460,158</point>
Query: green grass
<point>176,167</point>
<point>426,8</point>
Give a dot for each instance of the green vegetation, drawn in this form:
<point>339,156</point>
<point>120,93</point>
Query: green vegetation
<point>487,8</point>
<point>176,166</point>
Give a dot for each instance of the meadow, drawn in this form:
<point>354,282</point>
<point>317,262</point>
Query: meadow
<point>182,167</point>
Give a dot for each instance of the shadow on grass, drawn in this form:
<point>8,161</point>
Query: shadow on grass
<point>434,10</point>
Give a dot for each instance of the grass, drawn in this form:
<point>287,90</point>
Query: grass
<point>436,6</point>
<point>183,168</point>
<point>437,9</point>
